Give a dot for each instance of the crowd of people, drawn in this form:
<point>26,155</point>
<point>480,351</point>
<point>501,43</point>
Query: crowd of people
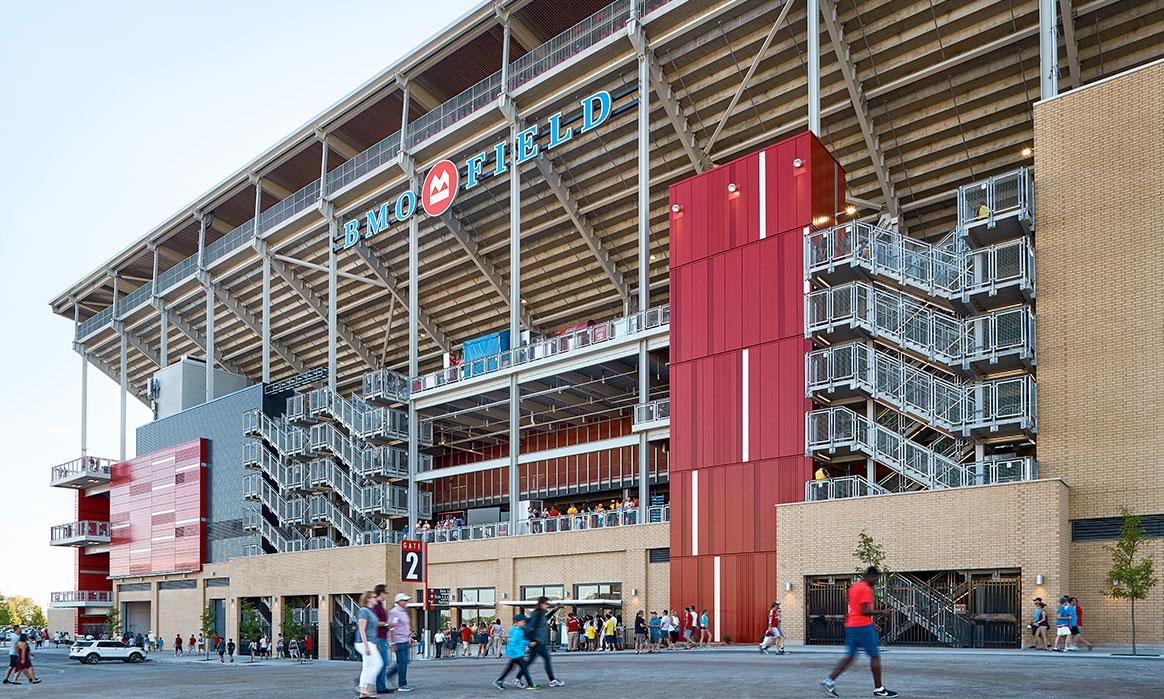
<point>537,516</point>
<point>1068,626</point>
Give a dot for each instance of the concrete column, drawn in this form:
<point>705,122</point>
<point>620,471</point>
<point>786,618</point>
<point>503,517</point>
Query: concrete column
<point>413,362</point>
<point>276,621</point>
<point>1048,50</point>
<point>323,648</point>
<point>209,344</point>
<point>644,213</point>
<point>814,66</point>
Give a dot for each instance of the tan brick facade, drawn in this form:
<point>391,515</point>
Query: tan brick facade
<point>618,554</point>
<point>1099,180</point>
<point>1018,525</point>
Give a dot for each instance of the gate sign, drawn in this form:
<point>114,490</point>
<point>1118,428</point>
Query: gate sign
<point>438,597</point>
<point>440,187</point>
<point>413,561</point>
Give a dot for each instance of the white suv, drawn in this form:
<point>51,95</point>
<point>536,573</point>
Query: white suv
<point>93,652</point>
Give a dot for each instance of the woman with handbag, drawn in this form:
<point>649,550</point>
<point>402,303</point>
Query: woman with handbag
<point>367,622</point>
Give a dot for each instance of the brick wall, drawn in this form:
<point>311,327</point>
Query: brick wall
<point>1017,525</point>
<point>1100,188</point>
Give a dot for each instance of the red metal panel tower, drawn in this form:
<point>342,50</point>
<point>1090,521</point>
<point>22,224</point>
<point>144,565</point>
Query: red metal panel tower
<point>737,371</point>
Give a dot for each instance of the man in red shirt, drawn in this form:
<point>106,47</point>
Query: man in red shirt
<point>573,627</point>
<point>773,635</point>
<point>861,633</point>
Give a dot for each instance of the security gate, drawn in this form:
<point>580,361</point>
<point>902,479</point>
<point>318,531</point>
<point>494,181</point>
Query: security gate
<point>950,608</point>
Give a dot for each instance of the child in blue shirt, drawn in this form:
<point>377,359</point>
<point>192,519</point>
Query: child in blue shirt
<point>515,651</point>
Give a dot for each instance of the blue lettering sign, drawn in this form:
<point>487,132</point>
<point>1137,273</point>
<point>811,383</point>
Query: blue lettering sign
<point>526,146</point>
<point>557,137</point>
<point>351,233</point>
<point>473,169</point>
<point>589,119</point>
<point>406,199</point>
<point>377,223</point>
<point>499,151</point>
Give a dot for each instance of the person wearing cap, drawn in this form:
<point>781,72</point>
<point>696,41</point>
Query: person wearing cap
<point>539,639</point>
<point>400,636</point>
<point>860,633</point>
<point>515,651</point>
<point>1065,620</point>
<point>773,635</point>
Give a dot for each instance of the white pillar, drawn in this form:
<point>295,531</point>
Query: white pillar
<point>332,300</point>
<point>514,326</point>
<point>164,349</point>
<point>209,344</point>
<point>814,66</point>
<point>266,300</point>
<point>1048,50</point>
<point>644,212</point>
<point>84,405</point>
<point>123,379</point>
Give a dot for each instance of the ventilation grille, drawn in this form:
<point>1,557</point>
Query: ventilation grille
<point>1108,528</point>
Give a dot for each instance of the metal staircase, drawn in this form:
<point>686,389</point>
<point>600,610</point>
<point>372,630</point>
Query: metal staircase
<point>927,607</point>
<point>954,406</point>
<point>840,429</point>
<point>987,342</point>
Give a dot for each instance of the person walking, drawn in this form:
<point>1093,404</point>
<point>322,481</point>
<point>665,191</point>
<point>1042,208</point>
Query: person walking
<point>221,649</point>
<point>230,649</point>
<point>466,640</point>
<point>400,636</point>
<point>704,629</point>
<point>1064,621</point>
<point>178,645</point>
<point>366,624</point>
<point>438,643</point>
<point>539,635</point>
<point>253,646</point>
<point>201,643</point>
<point>1039,626</point>
<point>640,632</point>
<point>380,608</point>
<point>151,642</point>
<point>308,648</point>
<point>653,632</point>
<point>1077,632</point>
<point>608,637</point>
<point>860,633</point>
<point>773,635</point>
<point>496,633</point>
<point>280,647</point>
<point>24,660</point>
<point>190,645</point>
<point>13,656</point>
<point>515,651</point>
<point>264,647</point>
<point>293,649</point>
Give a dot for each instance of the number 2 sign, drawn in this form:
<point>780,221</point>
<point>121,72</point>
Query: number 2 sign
<point>413,561</point>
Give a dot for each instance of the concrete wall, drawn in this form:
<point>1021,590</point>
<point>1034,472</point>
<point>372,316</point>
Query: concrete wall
<point>1017,525</point>
<point>1099,181</point>
<point>62,620</point>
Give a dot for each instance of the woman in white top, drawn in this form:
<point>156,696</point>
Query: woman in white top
<point>366,623</point>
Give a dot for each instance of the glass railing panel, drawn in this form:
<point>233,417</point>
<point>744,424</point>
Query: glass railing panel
<point>303,199</point>
<point>178,273</point>
<point>240,236</point>
<point>378,155</point>
<point>135,298</point>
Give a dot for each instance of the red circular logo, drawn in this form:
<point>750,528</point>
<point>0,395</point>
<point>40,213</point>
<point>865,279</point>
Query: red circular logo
<point>440,188</point>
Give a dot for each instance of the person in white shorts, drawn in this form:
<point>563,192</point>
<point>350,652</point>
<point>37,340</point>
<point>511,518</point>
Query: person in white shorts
<point>773,635</point>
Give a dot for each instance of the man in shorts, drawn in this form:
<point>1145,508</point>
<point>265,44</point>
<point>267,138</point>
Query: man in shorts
<point>773,635</point>
<point>1077,630</point>
<point>860,633</point>
<point>1065,620</point>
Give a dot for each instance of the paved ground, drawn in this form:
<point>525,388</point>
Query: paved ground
<point>732,673</point>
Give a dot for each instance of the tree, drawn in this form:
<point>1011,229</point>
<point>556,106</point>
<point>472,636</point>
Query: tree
<point>249,626</point>
<point>209,620</point>
<point>24,611</point>
<point>5,615</point>
<point>1128,579</point>
<point>288,626</point>
<point>870,553</point>
<point>113,622</point>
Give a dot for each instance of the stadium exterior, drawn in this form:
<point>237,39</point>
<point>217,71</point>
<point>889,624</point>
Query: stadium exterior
<point>751,294</point>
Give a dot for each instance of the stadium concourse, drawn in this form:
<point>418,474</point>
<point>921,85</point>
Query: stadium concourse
<point>646,305</point>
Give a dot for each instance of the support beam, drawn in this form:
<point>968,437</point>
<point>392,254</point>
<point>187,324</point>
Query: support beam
<point>1067,16</point>
<point>275,190</point>
<point>813,58</point>
<point>339,145</point>
<point>1048,50</point>
<point>304,291</point>
<point>423,95</point>
<point>860,104</point>
<point>522,34</point>
<point>332,298</point>
<point>644,230</point>
<point>413,359</point>
<point>484,263</point>
<point>667,98</point>
<point>137,343</point>
<point>109,371</point>
<point>175,319</point>
<point>123,382</point>
<point>209,345</point>
<point>573,209</point>
<point>251,322</point>
<point>383,273</point>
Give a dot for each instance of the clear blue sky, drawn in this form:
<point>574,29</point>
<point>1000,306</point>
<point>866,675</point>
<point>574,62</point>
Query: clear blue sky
<point>114,116</point>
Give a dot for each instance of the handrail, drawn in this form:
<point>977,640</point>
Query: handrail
<point>385,384</point>
<point>832,428</point>
<point>551,346</point>
<point>842,487</point>
<point>85,465</point>
<point>652,411</point>
<point>951,405</point>
<point>920,327</point>
<point>86,528</point>
<point>81,596</point>
<point>1010,194</point>
<point>937,270</point>
<point>547,525</point>
<point>604,23</point>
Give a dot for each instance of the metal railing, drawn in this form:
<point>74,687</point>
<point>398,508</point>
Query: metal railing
<point>547,525</point>
<point>549,347</point>
<point>325,474</point>
<point>953,406</point>
<point>304,198</point>
<point>841,428</point>
<point>654,411</point>
<point>604,23</point>
<point>920,327</point>
<point>138,297</point>
<point>390,462</point>
<point>839,488</point>
<point>925,607</point>
<point>85,530</point>
<point>177,274</point>
<point>237,238</point>
<point>1009,195</point>
<point>385,385</point>
<point>81,597</point>
<point>938,270</point>
<point>88,466</point>
<point>383,152</point>
<point>471,100</point>
<point>391,500</point>
<point>98,320</point>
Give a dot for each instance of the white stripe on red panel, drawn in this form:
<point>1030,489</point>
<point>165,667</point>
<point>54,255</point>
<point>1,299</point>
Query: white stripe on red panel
<point>744,393</point>
<point>763,212</point>
<point>694,512</point>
